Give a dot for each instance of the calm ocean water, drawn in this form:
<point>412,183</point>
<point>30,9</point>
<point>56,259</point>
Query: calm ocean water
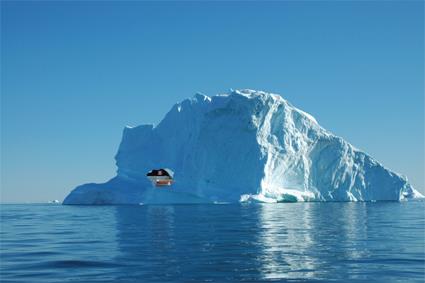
<point>381,242</point>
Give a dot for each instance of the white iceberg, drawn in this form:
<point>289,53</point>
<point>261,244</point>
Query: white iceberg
<point>244,146</point>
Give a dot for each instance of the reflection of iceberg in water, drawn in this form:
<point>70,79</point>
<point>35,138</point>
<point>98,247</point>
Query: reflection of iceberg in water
<point>296,241</point>
<point>285,239</point>
<point>160,229</point>
<point>146,240</point>
<point>355,228</point>
<point>201,242</point>
<point>304,240</point>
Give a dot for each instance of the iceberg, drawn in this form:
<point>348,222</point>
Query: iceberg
<point>243,146</point>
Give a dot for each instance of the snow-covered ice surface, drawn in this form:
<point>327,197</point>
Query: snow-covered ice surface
<point>247,146</point>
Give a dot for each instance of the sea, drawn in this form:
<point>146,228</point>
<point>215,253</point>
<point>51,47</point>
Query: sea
<point>284,242</point>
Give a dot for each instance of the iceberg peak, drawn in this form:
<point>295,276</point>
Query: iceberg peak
<point>201,97</point>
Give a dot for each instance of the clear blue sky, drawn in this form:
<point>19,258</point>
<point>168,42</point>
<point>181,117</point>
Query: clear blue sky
<point>73,74</point>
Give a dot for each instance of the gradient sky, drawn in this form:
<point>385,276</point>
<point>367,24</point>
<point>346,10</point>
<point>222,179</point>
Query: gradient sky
<point>73,74</point>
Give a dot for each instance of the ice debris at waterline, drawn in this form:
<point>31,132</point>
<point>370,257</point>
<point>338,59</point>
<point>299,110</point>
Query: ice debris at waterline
<point>248,146</point>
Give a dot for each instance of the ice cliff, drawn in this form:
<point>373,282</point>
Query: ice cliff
<point>244,146</point>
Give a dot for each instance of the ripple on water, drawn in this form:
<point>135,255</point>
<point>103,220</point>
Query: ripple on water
<point>198,243</point>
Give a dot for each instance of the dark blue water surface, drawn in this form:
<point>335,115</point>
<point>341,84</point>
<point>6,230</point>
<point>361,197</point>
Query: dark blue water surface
<point>360,242</point>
